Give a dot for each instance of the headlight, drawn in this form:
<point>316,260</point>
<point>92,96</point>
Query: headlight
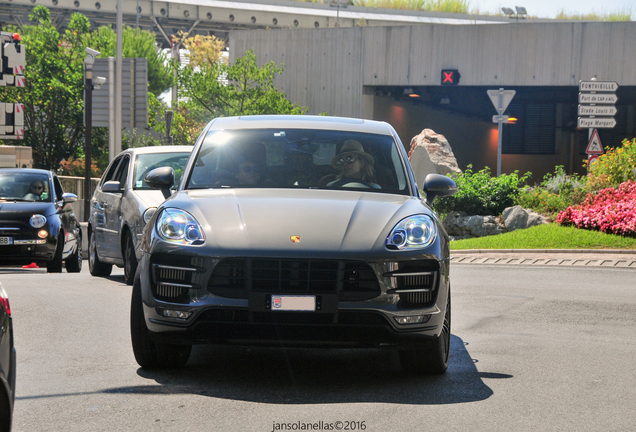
<point>179,226</point>
<point>413,232</point>
<point>148,213</point>
<point>37,221</point>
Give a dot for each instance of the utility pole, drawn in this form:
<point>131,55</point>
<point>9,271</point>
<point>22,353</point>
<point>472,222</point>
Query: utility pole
<point>88,124</point>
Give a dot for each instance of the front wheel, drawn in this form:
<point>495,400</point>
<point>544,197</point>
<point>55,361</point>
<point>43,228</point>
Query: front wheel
<point>148,353</point>
<point>55,265</point>
<point>96,267</point>
<point>432,357</point>
<point>74,262</point>
<point>130,259</point>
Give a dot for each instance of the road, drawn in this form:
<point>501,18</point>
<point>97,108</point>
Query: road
<point>533,348</point>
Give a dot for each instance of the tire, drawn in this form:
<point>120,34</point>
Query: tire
<point>130,259</point>
<point>432,357</point>
<point>148,353</point>
<point>74,262</point>
<point>96,267</point>
<point>55,265</point>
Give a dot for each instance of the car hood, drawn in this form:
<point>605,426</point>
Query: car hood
<point>18,209</point>
<point>151,198</point>
<point>266,219</point>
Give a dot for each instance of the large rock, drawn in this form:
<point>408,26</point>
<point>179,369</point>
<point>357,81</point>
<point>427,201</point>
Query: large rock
<point>519,218</point>
<point>460,225</point>
<point>431,153</point>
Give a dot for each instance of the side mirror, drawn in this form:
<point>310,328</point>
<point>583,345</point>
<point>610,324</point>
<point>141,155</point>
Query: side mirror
<point>438,185</point>
<point>69,197</point>
<point>161,178</point>
<point>112,186</point>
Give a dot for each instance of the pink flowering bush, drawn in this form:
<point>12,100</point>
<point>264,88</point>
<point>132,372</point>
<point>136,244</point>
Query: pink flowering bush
<point>612,211</point>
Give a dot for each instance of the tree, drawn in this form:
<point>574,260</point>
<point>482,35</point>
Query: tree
<point>53,96</point>
<point>135,43</point>
<point>202,50</point>
<point>219,89</point>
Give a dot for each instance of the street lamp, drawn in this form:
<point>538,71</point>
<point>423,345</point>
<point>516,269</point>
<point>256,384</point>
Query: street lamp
<point>338,4</point>
<point>88,114</point>
<point>520,12</point>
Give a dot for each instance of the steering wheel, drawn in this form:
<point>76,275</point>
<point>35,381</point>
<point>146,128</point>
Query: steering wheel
<point>351,182</point>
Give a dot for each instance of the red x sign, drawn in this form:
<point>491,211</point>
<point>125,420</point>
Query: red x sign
<point>450,77</point>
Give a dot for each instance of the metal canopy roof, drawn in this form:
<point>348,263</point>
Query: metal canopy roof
<point>218,17</point>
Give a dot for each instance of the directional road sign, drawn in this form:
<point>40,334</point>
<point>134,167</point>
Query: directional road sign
<point>596,122</point>
<point>598,98</point>
<point>500,118</point>
<point>597,110</point>
<point>598,86</point>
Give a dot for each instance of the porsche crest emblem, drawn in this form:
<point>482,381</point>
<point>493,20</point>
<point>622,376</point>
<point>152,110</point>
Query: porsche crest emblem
<point>295,239</point>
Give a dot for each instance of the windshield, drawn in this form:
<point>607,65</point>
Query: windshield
<point>24,187</point>
<point>147,162</point>
<point>295,158</point>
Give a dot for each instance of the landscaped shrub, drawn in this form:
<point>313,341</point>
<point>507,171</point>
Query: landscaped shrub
<point>557,191</point>
<point>542,201</point>
<point>614,167</point>
<point>612,210</point>
<point>479,193</point>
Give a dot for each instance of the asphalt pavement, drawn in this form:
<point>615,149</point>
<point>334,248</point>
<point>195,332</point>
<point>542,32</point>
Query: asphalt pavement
<point>547,257</point>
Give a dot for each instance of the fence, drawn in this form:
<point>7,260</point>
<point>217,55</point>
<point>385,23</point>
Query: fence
<point>75,185</point>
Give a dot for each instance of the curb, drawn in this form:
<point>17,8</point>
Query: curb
<point>550,251</point>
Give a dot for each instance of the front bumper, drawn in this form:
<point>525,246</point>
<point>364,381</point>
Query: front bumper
<point>369,322</point>
<point>28,251</point>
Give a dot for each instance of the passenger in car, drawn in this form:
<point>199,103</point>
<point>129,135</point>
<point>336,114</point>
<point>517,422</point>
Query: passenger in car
<point>356,166</point>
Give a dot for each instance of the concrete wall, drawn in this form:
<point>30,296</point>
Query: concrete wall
<point>326,69</point>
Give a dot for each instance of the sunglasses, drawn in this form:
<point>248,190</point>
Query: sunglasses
<point>347,160</point>
<point>251,168</point>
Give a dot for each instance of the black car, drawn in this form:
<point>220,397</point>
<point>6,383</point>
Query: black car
<point>299,231</point>
<point>37,223</point>
<point>7,363</point>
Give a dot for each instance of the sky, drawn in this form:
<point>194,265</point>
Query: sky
<point>550,8</point>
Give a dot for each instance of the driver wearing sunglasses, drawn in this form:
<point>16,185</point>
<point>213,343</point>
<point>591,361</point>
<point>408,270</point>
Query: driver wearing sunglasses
<point>249,173</point>
<point>36,189</point>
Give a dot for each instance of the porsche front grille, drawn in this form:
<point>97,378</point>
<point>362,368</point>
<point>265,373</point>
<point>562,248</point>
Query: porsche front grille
<point>351,280</point>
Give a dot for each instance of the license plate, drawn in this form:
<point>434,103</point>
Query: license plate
<point>6,240</point>
<point>293,303</point>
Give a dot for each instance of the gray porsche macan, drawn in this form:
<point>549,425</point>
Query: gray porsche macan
<point>299,231</point>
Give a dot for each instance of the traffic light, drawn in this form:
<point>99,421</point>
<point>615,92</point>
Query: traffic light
<point>11,120</point>
<point>450,77</point>
<point>13,59</point>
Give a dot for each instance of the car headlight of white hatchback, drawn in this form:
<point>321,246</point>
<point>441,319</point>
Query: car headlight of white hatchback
<point>177,225</point>
<point>37,221</point>
<point>413,232</point>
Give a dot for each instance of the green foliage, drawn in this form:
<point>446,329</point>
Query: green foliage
<point>53,96</point>
<point>548,236</point>
<point>220,89</point>
<point>557,192</point>
<point>132,138</point>
<point>135,43</point>
<point>614,167</point>
<point>449,6</point>
<point>542,201</point>
<point>482,194</point>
